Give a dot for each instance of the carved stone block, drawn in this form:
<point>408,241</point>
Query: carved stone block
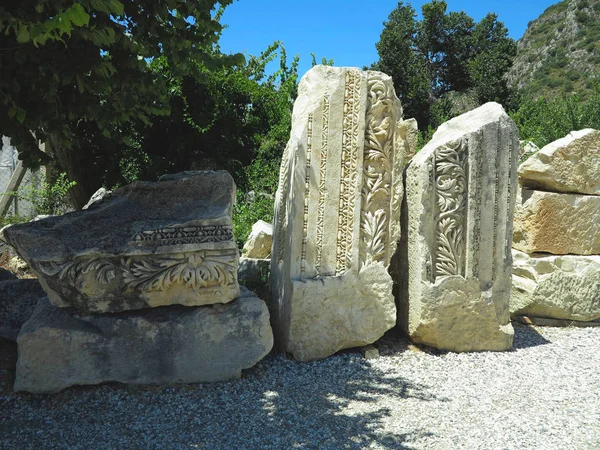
<point>144,245</point>
<point>59,348</point>
<point>455,272</point>
<point>337,212</point>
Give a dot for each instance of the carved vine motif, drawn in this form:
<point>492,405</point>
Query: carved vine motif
<point>451,206</point>
<point>153,272</point>
<point>73,270</point>
<point>194,270</point>
<point>185,235</point>
<point>322,175</point>
<point>348,170</point>
<point>376,190</point>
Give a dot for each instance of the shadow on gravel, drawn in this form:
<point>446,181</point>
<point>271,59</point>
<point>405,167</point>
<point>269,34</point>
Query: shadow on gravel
<point>527,336</point>
<point>339,403</point>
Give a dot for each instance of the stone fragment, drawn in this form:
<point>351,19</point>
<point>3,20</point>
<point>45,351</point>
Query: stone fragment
<point>168,345</point>
<point>145,245</point>
<point>557,287</point>
<point>369,352</point>
<point>528,149</point>
<point>557,223</point>
<point>259,242</point>
<point>96,197</point>
<point>17,302</point>
<point>409,131</point>
<point>570,164</point>
<point>455,271</point>
<point>336,213</point>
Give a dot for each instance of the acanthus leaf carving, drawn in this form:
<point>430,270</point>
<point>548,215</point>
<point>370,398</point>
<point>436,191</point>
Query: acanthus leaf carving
<point>451,206</point>
<point>377,173</point>
<point>194,270</point>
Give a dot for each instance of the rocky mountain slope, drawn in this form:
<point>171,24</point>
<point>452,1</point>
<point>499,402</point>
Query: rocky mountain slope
<point>560,51</point>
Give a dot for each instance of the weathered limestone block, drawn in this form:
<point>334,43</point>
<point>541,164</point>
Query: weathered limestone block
<point>337,213</point>
<point>145,245</point>
<point>570,164</point>
<point>59,348</point>
<point>557,223</point>
<point>260,241</point>
<point>18,299</point>
<point>455,273</point>
<point>558,287</point>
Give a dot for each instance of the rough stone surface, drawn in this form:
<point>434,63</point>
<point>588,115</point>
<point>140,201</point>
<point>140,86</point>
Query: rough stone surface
<point>332,313</point>
<point>557,223</point>
<point>557,287</point>
<point>409,131</point>
<point>17,302</point>
<point>336,211</point>
<point>259,242</point>
<point>168,345</point>
<point>144,245</point>
<point>570,164</point>
<point>455,263</point>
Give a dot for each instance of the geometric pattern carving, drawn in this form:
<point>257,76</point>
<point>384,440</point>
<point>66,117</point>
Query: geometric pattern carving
<point>184,235</point>
<point>349,165</point>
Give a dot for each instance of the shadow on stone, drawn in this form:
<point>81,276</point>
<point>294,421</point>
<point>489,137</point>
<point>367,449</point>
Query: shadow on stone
<point>527,336</point>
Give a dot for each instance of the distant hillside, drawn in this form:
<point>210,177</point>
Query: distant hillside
<point>560,51</point>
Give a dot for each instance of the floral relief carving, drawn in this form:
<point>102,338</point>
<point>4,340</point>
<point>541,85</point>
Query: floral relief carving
<point>377,172</point>
<point>451,208</point>
<point>194,270</point>
<point>152,272</point>
<point>73,270</point>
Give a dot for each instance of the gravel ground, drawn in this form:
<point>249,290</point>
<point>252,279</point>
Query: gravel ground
<point>545,394</point>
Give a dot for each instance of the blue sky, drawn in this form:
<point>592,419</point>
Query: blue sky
<point>345,31</point>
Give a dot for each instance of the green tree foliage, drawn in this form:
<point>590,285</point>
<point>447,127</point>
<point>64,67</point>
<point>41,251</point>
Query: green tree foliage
<point>445,52</point>
<point>77,74</point>
<point>545,120</point>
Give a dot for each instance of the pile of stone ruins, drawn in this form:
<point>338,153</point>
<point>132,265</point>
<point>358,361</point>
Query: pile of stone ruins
<point>142,289</point>
<point>143,286</point>
<point>556,249</point>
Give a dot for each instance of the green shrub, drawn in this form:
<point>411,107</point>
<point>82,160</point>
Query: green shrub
<point>49,198</point>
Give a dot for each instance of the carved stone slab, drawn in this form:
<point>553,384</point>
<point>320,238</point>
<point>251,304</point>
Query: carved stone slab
<point>144,245</point>
<point>59,348</point>
<point>338,203</point>
<point>455,272</point>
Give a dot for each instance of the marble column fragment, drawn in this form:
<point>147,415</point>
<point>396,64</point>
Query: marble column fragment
<point>455,274</point>
<point>337,213</point>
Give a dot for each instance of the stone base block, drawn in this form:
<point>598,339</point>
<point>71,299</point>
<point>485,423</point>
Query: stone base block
<point>556,287</point>
<point>174,344</point>
<point>333,313</point>
<point>457,315</point>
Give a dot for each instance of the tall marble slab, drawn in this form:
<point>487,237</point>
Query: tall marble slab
<point>456,270</point>
<point>337,214</point>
